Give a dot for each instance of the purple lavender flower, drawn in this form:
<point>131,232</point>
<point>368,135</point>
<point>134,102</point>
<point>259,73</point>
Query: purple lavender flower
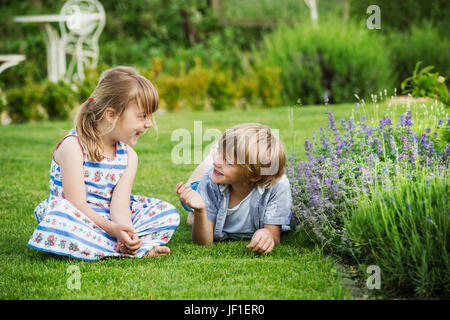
<point>332,122</point>
<point>408,119</point>
<point>336,172</point>
<point>308,145</point>
<point>385,122</point>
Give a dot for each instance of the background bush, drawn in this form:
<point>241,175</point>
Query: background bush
<point>23,104</point>
<point>334,60</point>
<point>215,61</point>
<point>423,42</point>
<point>400,15</point>
<point>57,99</point>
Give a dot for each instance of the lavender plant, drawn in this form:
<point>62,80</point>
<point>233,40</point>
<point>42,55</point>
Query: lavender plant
<point>405,229</point>
<point>344,162</point>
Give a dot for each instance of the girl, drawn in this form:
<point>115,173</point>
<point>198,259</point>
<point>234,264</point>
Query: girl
<point>90,213</point>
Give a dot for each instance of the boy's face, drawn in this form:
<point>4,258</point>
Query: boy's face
<point>225,172</point>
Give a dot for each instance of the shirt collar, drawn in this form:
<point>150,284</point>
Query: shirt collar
<point>223,187</point>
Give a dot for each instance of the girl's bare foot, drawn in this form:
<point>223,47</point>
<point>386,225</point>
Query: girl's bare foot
<point>157,251</point>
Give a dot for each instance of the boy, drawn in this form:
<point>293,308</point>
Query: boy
<point>244,193</point>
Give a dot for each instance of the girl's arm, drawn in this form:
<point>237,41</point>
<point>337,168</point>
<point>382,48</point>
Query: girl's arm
<point>120,202</point>
<point>69,156</point>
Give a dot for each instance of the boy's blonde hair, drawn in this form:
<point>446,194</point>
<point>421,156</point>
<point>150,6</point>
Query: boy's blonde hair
<point>117,88</point>
<point>254,148</point>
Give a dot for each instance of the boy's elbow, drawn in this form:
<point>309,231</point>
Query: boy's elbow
<point>202,242</point>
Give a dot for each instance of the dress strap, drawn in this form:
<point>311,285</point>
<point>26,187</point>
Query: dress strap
<point>72,133</point>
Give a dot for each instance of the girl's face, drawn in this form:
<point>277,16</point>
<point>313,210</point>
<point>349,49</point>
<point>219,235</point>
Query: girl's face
<point>132,124</point>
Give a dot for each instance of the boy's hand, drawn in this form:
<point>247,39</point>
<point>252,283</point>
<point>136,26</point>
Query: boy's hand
<point>262,241</point>
<point>189,196</point>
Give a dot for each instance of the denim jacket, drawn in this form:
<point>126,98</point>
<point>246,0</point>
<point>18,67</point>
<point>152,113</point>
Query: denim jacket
<point>267,206</point>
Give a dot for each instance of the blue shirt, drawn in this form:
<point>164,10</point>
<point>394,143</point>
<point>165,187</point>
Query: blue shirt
<point>238,221</point>
<point>266,206</point>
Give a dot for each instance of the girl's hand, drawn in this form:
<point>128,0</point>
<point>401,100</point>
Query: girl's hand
<point>189,196</point>
<point>262,241</point>
<point>127,240</point>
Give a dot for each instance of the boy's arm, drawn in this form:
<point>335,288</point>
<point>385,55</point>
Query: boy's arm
<point>203,228</point>
<point>276,214</point>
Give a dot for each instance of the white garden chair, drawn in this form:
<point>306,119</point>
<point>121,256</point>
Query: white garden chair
<point>9,60</point>
<point>79,35</point>
<point>80,22</point>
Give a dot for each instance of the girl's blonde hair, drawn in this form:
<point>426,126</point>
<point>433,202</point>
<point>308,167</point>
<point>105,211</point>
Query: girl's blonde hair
<point>254,148</point>
<point>117,88</point>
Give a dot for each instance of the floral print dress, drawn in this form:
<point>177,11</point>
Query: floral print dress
<point>64,230</point>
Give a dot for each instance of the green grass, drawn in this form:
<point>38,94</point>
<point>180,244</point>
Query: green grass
<point>294,270</point>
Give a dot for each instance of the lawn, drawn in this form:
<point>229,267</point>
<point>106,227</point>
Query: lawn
<point>294,270</point>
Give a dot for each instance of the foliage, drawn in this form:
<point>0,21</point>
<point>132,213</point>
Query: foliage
<point>201,86</point>
<point>269,85</point>
<point>334,60</point>
<point>404,228</point>
<point>23,103</point>
<point>423,83</point>
<point>57,99</point>
<point>341,166</point>
<point>422,42</point>
<point>399,15</point>
<point>222,89</point>
<point>344,167</point>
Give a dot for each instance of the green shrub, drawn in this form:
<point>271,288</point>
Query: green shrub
<point>222,90</point>
<point>399,15</point>
<point>57,99</point>
<point>269,86</point>
<point>405,231</point>
<point>3,103</point>
<point>423,83</point>
<point>170,91</point>
<point>196,84</point>
<point>85,88</point>
<point>248,88</point>
<point>23,103</point>
<point>421,43</point>
<point>335,60</point>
